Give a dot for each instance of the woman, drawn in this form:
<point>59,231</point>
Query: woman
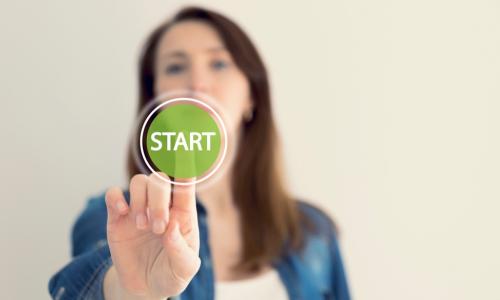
<point>242,237</point>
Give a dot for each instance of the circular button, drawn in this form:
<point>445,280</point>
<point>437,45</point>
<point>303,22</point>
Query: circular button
<point>184,138</point>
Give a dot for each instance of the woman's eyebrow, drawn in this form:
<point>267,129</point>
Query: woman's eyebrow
<point>183,54</point>
<point>216,49</point>
<point>177,53</point>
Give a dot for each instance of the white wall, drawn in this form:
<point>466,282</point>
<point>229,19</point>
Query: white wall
<point>388,111</point>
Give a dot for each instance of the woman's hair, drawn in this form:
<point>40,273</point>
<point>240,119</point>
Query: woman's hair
<point>270,219</point>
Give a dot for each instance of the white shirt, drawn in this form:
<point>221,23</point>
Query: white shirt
<point>262,287</point>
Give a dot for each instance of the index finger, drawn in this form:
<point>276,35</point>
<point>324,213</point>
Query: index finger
<point>184,196</point>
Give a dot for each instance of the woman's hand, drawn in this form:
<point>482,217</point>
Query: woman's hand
<point>154,242</point>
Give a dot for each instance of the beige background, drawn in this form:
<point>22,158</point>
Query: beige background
<point>388,111</point>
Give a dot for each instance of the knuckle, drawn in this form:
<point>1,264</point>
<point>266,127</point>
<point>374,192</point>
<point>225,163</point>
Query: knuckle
<point>158,213</point>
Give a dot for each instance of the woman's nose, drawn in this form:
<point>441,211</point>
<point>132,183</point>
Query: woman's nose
<point>199,81</point>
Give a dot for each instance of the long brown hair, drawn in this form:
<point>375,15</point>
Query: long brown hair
<point>269,217</point>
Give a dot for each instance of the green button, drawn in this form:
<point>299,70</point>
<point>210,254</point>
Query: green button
<point>184,139</point>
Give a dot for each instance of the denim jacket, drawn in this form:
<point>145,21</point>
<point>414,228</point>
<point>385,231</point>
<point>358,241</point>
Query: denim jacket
<point>315,272</point>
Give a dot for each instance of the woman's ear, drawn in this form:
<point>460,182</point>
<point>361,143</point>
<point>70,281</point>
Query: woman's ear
<point>248,116</point>
<point>249,109</point>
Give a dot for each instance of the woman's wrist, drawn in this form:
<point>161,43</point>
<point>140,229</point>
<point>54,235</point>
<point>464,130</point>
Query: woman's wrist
<point>113,289</point>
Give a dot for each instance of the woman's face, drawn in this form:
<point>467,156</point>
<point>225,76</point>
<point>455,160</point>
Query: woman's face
<point>191,56</point>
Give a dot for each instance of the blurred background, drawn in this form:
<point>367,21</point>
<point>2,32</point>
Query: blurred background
<point>388,111</point>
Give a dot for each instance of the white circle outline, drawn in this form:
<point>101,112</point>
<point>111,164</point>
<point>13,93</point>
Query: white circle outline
<point>223,129</point>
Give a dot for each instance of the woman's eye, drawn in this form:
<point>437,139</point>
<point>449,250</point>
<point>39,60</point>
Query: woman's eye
<point>175,69</point>
<point>219,65</point>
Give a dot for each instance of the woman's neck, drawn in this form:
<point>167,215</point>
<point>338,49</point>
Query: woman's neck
<point>217,197</point>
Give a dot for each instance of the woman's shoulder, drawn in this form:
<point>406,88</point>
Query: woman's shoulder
<point>315,220</point>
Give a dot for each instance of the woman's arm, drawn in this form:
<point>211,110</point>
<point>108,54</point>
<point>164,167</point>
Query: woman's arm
<point>83,276</point>
<point>321,225</point>
<point>339,279</point>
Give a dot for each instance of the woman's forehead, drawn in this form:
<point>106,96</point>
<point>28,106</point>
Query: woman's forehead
<point>190,37</point>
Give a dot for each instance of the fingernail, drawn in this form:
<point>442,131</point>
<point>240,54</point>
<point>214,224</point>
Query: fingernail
<point>120,206</point>
<point>140,221</point>
<point>158,226</point>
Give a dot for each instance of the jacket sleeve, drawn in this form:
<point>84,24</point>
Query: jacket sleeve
<point>339,279</point>
<point>82,277</point>
<point>319,223</point>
